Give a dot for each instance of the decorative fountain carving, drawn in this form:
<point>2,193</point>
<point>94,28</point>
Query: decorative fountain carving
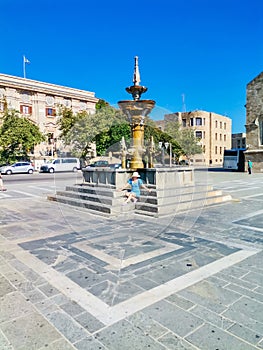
<point>136,110</point>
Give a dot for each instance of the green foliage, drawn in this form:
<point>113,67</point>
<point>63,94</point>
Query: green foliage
<point>189,142</point>
<point>67,122</point>
<point>160,136</point>
<point>173,129</point>
<point>18,136</point>
<point>112,136</point>
<point>81,129</point>
<point>185,137</point>
<point>101,104</point>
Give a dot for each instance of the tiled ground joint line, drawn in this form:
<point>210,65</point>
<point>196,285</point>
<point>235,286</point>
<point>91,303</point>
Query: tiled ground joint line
<point>109,315</point>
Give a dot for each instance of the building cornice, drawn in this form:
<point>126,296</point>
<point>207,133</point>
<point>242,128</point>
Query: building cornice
<point>46,88</point>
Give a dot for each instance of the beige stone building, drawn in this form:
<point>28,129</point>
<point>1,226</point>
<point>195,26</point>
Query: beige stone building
<point>212,130</point>
<point>239,140</point>
<point>39,102</point>
<point>254,122</point>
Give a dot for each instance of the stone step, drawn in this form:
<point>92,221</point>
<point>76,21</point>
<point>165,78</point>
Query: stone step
<point>168,209</point>
<point>105,200</point>
<point>96,207</point>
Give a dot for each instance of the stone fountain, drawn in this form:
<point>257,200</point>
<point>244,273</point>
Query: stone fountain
<point>136,110</point>
<point>174,189</point>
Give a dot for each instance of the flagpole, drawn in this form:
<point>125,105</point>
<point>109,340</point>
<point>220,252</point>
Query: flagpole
<point>24,66</point>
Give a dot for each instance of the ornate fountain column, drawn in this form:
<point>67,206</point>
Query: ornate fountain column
<point>136,110</point>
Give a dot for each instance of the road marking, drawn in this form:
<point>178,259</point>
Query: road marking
<point>253,195</point>
<point>43,188</point>
<point>4,195</point>
<point>243,189</point>
<point>26,193</point>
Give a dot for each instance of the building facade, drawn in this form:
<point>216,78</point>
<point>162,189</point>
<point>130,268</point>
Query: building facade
<point>40,102</point>
<point>239,140</point>
<point>254,122</point>
<point>212,130</point>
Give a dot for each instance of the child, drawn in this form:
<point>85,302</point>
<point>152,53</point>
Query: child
<point>135,184</point>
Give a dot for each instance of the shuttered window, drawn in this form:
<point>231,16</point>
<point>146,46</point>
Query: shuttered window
<point>24,109</point>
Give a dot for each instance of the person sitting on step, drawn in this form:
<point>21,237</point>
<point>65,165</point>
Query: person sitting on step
<point>135,184</point>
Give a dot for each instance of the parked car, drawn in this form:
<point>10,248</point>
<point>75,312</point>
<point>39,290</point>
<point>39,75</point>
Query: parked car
<point>61,164</point>
<point>184,162</point>
<point>18,168</point>
<point>115,166</point>
<point>99,164</point>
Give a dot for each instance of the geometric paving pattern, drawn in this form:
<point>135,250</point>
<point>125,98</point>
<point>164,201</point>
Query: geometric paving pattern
<point>115,269</point>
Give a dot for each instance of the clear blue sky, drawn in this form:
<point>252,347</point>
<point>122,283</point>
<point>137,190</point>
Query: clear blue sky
<point>207,50</point>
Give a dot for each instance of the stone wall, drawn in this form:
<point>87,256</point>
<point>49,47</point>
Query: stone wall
<point>254,123</point>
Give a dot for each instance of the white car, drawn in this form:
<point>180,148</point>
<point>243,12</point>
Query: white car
<point>18,168</point>
<point>60,164</point>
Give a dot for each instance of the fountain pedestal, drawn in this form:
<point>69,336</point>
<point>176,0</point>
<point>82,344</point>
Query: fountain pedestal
<point>136,111</point>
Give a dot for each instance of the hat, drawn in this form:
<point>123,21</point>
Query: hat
<point>135,174</point>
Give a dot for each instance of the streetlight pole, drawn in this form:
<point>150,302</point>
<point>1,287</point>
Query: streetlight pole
<point>162,150</point>
<point>170,152</point>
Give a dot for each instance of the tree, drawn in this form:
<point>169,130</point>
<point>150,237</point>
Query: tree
<point>185,138</point>
<point>112,136</point>
<point>106,127</point>
<point>80,129</point>
<point>18,136</point>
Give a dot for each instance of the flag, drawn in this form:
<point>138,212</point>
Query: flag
<point>26,60</point>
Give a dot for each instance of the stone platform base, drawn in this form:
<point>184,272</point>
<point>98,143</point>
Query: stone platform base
<point>173,190</point>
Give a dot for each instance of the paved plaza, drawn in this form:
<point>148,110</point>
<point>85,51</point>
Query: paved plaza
<point>70,279</point>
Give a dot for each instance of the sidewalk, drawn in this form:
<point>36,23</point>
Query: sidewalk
<point>72,280</point>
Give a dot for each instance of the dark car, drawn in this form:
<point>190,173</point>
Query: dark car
<point>184,162</point>
<point>98,164</point>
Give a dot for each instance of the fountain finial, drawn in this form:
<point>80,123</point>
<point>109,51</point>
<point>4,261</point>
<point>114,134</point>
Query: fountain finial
<point>136,89</point>
<point>136,73</point>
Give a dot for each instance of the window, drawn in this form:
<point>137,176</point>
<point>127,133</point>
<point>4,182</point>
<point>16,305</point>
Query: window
<point>191,121</point>
<point>220,150</point>
<point>215,149</point>
<point>198,121</point>
<point>69,160</point>
<point>225,126</point>
<point>203,134</point>
<point>216,136</point>
<point>220,125</point>
<point>25,109</point>
<point>224,137</point>
<point>204,149</point>
<point>184,122</point>
<point>204,121</point>
<point>50,112</point>
<point>220,137</point>
<point>216,123</point>
<point>198,134</point>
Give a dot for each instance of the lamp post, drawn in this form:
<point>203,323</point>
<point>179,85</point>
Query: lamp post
<point>170,152</point>
<point>161,147</point>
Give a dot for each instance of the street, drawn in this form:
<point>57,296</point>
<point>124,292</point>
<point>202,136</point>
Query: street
<point>37,184</point>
